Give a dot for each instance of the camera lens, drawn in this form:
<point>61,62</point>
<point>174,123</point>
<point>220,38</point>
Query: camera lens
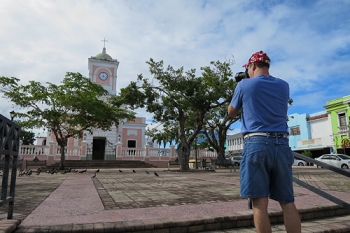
<point>241,75</point>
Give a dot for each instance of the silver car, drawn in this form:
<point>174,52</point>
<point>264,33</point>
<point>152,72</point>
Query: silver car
<point>336,160</point>
<point>236,160</point>
<point>298,162</point>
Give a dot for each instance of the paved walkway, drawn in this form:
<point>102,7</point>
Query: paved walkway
<point>130,201</point>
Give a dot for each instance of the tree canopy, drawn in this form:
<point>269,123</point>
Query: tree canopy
<point>27,137</point>
<point>180,100</point>
<point>68,109</point>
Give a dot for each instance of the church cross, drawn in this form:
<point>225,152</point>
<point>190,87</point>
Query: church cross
<point>104,42</point>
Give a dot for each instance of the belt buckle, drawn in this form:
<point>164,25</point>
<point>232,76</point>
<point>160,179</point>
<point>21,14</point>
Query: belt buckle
<point>282,135</point>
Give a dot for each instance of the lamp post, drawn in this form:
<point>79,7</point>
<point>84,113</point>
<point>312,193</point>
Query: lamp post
<point>119,137</point>
<point>196,157</point>
<point>12,114</point>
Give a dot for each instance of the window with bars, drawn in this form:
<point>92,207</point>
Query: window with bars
<point>294,130</point>
<point>342,119</point>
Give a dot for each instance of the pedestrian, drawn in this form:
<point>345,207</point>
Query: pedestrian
<point>266,167</point>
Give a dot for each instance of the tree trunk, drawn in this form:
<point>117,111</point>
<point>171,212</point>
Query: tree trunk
<point>61,167</point>
<point>221,144</point>
<point>183,155</point>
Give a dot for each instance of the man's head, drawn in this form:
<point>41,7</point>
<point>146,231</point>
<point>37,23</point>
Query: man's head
<point>258,63</point>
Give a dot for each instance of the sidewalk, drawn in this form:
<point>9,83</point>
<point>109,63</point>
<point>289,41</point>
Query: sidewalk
<point>128,201</point>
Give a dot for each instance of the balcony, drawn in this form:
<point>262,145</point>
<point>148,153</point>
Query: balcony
<point>343,129</point>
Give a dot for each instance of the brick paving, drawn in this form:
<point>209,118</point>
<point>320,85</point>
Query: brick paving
<point>184,202</point>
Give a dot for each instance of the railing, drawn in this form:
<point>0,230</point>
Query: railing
<point>343,129</point>
<point>159,152</point>
<point>34,150</point>
<point>9,146</point>
<point>202,153</point>
<point>126,152</point>
<point>53,152</point>
<point>316,190</point>
<point>69,151</point>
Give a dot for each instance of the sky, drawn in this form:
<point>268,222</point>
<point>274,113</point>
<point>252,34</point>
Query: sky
<point>308,42</point>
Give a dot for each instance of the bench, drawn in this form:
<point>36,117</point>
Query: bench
<point>175,162</point>
<point>225,163</point>
<point>35,162</point>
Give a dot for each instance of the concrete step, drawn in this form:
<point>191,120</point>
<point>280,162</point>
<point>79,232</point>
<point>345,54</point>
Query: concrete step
<point>329,224</point>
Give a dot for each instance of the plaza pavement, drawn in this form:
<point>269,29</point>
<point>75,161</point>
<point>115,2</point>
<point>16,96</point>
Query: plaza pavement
<point>174,201</point>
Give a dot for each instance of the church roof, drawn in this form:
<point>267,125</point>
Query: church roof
<point>104,55</point>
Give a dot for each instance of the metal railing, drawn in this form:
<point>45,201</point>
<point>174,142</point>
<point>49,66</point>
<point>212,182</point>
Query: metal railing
<point>314,189</point>
<point>9,146</point>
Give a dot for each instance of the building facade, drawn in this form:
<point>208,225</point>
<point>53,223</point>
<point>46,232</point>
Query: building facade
<point>339,112</point>
<point>310,132</point>
<point>234,144</point>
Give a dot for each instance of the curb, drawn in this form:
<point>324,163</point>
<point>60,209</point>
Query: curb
<point>9,225</point>
<point>194,224</point>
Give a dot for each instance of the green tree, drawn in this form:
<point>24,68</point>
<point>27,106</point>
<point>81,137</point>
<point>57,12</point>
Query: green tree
<point>27,137</point>
<point>166,134</point>
<point>307,153</point>
<point>179,100</point>
<point>69,109</point>
<point>218,78</point>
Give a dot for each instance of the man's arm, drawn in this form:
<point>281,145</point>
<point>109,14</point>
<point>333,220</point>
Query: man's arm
<point>232,112</point>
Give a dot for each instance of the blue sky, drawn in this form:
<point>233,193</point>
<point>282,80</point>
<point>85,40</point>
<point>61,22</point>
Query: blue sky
<point>307,41</point>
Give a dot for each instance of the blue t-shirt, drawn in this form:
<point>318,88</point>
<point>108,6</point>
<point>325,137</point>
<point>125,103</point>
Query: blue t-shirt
<point>264,101</point>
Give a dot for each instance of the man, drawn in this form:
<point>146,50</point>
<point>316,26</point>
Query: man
<point>266,167</point>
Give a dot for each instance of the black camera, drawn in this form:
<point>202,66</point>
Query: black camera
<point>241,75</point>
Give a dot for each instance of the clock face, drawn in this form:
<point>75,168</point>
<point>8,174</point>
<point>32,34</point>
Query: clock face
<point>103,76</point>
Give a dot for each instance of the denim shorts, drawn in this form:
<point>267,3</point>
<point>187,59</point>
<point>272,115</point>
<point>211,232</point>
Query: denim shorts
<point>266,169</point>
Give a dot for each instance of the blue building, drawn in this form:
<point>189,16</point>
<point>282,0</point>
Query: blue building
<point>310,132</point>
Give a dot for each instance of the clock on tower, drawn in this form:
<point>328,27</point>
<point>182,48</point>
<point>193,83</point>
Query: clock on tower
<point>103,76</point>
<point>103,70</point>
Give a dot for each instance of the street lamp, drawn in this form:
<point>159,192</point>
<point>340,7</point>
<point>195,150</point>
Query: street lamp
<point>196,153</point>
<point>12,114</point>
<point>119,137</point>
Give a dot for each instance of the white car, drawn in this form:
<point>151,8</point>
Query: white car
<point>236,160</point>
<point>298,162</point>
<point>336,160</point>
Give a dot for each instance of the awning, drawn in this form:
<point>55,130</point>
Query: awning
<point>312,148</point>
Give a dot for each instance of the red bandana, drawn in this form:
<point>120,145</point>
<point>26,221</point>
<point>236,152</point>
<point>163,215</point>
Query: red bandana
<point>258,57</point>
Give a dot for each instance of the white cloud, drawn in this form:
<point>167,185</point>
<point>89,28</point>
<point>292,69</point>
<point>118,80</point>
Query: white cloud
<point>308,41</point>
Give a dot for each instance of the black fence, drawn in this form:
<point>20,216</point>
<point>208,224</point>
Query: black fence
<point>9,148</point>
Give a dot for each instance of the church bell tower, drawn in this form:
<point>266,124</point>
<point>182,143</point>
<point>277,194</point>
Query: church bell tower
<point>103,70</point>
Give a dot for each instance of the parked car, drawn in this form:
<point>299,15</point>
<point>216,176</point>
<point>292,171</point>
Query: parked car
<point>236,160</point>
<point>298,162</point>
<point>336,160</point>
